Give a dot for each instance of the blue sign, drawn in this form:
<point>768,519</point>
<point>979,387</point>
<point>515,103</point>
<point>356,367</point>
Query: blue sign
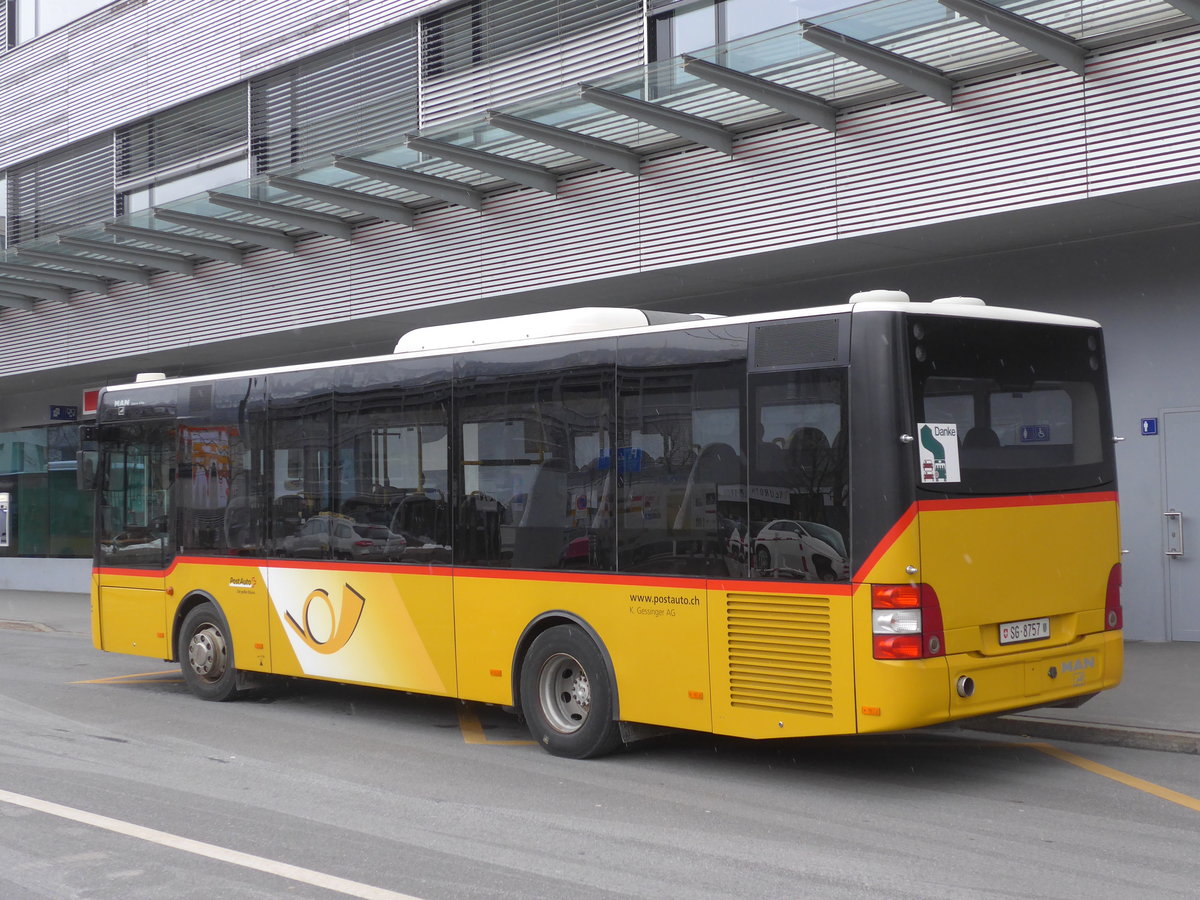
<point>1034,433</point>
<point>64,413</point>
<point>1149,427</point>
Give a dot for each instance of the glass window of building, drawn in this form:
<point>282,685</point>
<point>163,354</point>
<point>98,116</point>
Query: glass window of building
<point>453,39</point>
<point>685,26</point>
<point>29,18</point>
<point>198,145</point>
<point>159,192</point>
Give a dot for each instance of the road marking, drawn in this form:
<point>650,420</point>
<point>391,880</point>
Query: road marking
<point>222,854</point>
<point>472,730</point>
<point>1131,780</point>
<point>118,679</point>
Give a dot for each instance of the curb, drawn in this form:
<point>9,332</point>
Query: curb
<point>1089,733</point>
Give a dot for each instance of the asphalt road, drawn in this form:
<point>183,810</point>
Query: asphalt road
<point>318,790</point>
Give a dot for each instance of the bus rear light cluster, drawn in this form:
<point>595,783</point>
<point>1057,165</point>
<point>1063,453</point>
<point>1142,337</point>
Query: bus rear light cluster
<point>1114,618</point>
<point>906,622</point>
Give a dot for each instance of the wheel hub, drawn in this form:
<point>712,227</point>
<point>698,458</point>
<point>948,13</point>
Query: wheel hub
<point>565,693</point>
<point>207,653</point>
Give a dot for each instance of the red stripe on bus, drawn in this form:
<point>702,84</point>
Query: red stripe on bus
<point>885,545</point>
<point>974,503</point>
<point>1015,502</point>
<point>789,588</point>
<point>606,578</point>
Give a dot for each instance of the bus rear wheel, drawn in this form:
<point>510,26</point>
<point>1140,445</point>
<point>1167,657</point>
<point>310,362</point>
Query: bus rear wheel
<point>206,654</point>
<point>566,695</point>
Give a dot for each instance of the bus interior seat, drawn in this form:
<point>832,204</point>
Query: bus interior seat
<point>980,437</point>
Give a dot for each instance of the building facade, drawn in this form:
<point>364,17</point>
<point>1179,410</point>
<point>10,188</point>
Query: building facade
<point>190,188</point>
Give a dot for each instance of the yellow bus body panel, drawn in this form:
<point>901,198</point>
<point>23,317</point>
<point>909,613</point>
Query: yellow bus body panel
<point>240,593</point>
<point>655,633</point>
<point>130,614</point>
<point>991,562</point>
<point>754,659</point>
<point>385,626</point>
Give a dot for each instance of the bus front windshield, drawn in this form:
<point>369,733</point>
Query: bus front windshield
<point>1009,407</point>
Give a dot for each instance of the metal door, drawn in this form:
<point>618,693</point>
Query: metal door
<point>1181,521</point>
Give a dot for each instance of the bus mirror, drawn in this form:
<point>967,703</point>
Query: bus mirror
<point>85,469</point>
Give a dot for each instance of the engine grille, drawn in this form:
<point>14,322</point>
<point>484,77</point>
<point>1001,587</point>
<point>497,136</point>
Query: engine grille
<point>779,652</point>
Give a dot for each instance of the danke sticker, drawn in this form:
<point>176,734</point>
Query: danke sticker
<point>938,452</point>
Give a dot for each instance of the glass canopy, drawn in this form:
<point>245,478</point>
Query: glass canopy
<point>805,71</point>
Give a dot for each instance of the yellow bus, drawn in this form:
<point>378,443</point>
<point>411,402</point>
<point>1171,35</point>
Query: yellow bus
<point>864,517</point>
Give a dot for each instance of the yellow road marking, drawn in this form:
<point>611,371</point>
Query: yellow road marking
<point>117,679</point>
<point>1132,781</point>
<point>472,730</point>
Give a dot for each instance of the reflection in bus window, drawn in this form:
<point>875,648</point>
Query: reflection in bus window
<point>681,501</point>
<point>133,522</point>
<point>392,459</point>
<point>537,472</point>
<point>299,417</point>
<point>219,498</point>
<point>799,485</point>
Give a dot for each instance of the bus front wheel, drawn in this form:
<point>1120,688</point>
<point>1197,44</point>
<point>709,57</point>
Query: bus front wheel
<point>206,654</point>
<point>566,695</point>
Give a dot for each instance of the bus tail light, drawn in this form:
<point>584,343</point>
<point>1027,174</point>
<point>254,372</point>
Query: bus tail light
<point>1114,618</point>
<point>906,622</point>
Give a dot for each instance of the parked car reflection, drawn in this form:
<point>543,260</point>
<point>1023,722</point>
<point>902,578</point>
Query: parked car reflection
<point>807,550</point>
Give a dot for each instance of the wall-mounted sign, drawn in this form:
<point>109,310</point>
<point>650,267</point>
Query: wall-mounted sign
<point>1149,427</point>
<point>64,413</point>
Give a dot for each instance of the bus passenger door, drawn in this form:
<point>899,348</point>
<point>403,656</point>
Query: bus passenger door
<point>136,545</point>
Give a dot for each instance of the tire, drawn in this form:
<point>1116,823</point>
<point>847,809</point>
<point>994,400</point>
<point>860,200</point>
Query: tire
<point>206,654</point>
<point>762,559</point>
<point>566,695</point>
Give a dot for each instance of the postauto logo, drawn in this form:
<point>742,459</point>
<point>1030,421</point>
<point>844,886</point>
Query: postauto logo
<point>327,622</point>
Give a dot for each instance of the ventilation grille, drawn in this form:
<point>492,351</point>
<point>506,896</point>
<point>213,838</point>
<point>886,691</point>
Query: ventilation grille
<point>779,654</point>
<point>797,344</point>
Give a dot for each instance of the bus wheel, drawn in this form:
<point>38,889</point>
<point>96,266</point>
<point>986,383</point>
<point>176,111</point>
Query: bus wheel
<point>206,656</point>
<point>566,696</point>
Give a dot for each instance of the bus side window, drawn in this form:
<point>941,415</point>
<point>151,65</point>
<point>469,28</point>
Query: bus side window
<point>799,492</point>
<point>391,453</point>
<point>536,476</point>
<point>299,425</point>
<point>217,498</point>
<point>681,498</point>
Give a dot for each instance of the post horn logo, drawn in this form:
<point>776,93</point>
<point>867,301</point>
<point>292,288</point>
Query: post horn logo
<point>328,622</point>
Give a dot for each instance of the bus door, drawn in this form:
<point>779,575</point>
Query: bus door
<point>135,544</point>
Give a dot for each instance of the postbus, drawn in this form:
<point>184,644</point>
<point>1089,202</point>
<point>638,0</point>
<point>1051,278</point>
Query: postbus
<point>863,517</point>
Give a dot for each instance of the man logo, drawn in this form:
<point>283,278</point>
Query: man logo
<point>329,622</point>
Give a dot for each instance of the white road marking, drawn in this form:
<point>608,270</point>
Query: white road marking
<point>222,854</point>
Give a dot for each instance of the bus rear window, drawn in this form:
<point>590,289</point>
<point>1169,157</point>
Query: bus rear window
<point>1026,405</point>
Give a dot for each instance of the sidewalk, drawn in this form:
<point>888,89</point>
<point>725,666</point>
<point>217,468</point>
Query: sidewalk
<point>1156,706</point>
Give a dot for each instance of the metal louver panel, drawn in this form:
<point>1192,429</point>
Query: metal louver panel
<point>780,655</point>
<point>363,93</point>
<point>61,190</point>
<point>199,130</point>
<point>492,52</point>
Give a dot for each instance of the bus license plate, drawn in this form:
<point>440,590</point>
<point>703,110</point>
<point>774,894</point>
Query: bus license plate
<point>1026,630</point>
